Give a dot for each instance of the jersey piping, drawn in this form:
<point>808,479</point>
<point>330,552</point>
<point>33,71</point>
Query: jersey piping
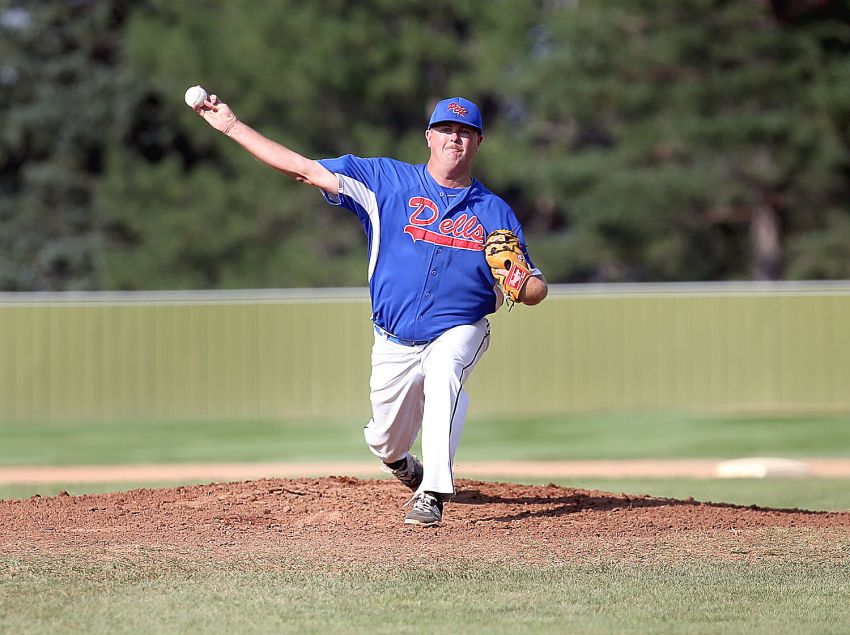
<point>367,199</point>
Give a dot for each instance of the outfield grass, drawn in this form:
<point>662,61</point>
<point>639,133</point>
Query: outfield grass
<point>657,435</point>
<point>62,596</point>
<point>563,437</point>
<point>590,436</point>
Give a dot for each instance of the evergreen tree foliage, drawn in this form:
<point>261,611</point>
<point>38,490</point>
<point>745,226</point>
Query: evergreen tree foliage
<point>637,141</point>
<point>325,78</point>
<point>63,100</point>
<point>693,140</point>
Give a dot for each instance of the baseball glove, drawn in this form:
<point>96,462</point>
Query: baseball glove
<point>507,262</point>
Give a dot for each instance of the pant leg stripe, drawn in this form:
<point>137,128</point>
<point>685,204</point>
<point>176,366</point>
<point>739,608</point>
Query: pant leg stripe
<point>454,408</point>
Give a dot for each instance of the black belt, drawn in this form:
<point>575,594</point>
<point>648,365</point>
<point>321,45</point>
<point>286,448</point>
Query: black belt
<point>400,340</point>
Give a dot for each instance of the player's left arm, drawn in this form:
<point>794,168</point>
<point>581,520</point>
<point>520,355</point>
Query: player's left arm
<point>534,291</point>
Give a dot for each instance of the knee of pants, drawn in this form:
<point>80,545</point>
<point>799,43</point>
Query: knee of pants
<point>449,380</point>
<point>382,443</point>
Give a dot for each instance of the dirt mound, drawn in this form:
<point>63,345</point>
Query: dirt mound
<point>346,520</point>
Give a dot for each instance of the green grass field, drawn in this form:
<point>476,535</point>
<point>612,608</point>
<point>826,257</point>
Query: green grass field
<point>69,596</point>
<point>590,436</point>
<point>160,593</point>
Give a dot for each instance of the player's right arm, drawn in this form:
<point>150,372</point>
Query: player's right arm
<point>221,117</point>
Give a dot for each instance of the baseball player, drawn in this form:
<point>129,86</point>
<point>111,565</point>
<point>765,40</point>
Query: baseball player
<point>430,284</point>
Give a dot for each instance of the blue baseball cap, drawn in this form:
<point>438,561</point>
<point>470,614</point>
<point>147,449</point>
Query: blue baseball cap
<point>457,109</point>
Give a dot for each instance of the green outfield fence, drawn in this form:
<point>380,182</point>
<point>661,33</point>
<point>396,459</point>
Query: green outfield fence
<point>284,353</point>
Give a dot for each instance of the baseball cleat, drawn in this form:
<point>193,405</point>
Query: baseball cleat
<point>410,474</point>
<point>427,510</point>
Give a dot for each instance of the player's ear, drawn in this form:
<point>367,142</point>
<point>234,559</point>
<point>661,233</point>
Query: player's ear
<point>428,136</point>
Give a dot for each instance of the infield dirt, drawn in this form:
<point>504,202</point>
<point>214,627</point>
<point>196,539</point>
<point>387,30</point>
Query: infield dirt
<point>340,520</point>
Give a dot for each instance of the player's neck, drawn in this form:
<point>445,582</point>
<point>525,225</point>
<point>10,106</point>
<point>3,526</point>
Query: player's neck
<point>449,177</point>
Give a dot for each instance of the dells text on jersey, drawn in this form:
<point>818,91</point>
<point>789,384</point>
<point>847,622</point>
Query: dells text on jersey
<point>463,232</point>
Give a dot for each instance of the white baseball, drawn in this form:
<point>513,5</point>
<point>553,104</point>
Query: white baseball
<point>195,97</point>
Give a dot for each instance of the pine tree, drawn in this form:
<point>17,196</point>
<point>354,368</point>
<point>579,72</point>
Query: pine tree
<point>63,101</point>
<point>188,208</point>
<point>674,141</point>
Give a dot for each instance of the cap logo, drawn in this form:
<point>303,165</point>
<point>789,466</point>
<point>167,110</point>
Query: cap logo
<point>458,109</point>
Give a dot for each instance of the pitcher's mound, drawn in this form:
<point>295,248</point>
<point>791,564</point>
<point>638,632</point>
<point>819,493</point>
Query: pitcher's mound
<point>346,520</point>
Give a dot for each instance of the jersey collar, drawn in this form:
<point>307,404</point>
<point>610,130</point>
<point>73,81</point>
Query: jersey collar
<point>436,190</point>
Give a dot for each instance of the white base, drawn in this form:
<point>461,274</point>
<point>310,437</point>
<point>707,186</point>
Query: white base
<point>763,467</point>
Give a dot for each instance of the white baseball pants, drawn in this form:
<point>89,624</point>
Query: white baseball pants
<point>415,387</point>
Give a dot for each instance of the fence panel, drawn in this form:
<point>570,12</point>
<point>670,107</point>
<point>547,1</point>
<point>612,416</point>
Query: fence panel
<point>275,354</point>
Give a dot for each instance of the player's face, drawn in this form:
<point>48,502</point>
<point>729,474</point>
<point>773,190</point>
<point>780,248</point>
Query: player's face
<point>453,143</point>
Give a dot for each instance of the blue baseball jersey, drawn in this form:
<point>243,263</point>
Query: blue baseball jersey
<point>427,271</point>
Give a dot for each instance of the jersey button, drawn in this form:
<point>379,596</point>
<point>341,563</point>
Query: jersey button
<point>433,272</point>
<point>439,251</point>
<point>428,294</point>
<point>419,318</point>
